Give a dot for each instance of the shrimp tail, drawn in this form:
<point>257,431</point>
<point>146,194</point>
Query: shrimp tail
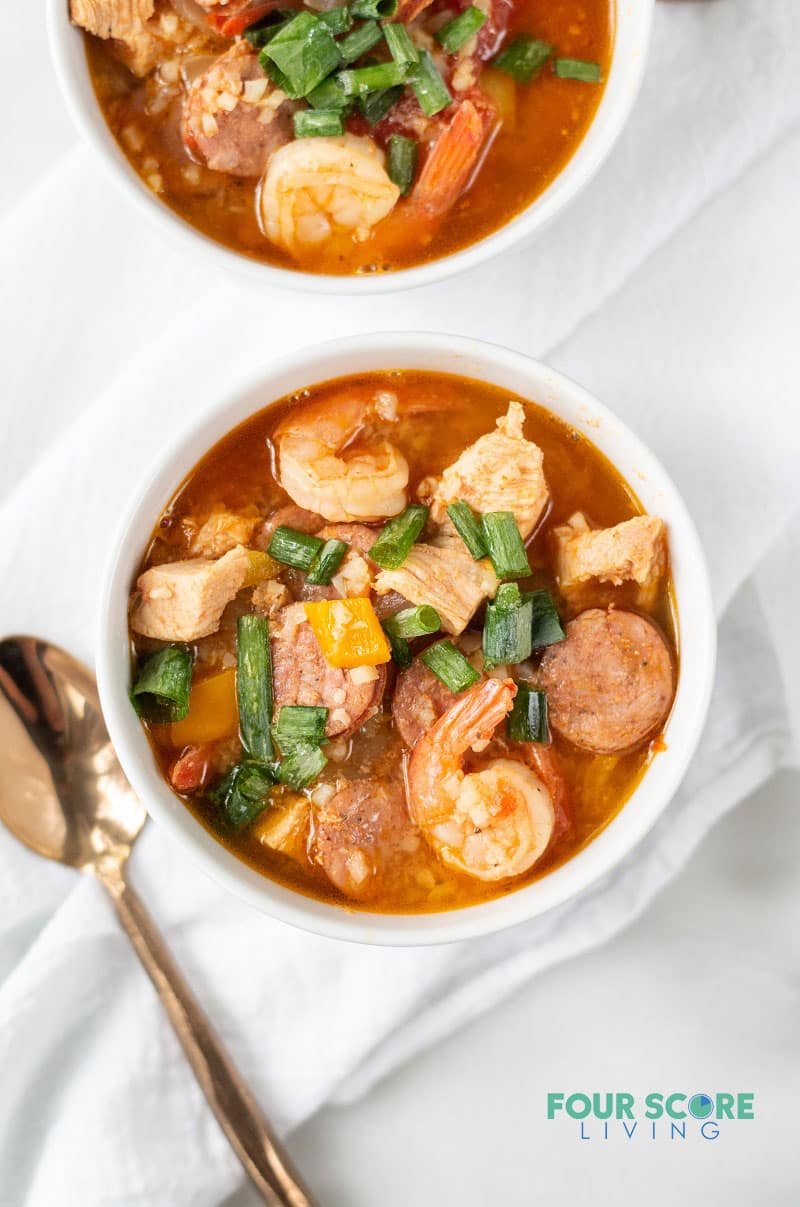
<point>452,160</point>
<point>407,10</point>
<point>474,716</point>
<point>545,762</point>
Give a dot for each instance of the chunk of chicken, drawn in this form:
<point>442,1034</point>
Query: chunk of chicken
<point>183,601</point>
<point>633,551</point>
<point>446,577</point>
<point>221,532</point>
<point>501,471</point>
<point>285,827</point>
<point>142,31</point>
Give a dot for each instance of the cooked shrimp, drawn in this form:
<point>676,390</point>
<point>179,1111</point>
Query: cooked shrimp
<point>320,473</point>
<point>491,823</point>
<point>316,188</point>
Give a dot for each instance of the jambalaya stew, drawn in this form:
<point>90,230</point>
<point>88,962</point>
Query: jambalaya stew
<point>404,644</point>
<point>358,138</point>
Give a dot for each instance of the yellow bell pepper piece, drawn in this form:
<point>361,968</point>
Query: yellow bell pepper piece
<point>260,567</point>
<point>349,632</point>
<point>213,712</point>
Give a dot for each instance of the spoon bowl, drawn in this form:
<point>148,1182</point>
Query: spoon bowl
<point>62,791</point>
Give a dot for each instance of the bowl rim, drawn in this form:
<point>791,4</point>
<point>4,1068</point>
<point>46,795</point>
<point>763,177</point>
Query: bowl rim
<point>450,354</point>
<point>633,21</point>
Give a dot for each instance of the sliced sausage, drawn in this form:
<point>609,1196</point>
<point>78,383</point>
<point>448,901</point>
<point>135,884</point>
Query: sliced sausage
<point>610,684</point>
<point>290,516</point>
<point>361,833</point>
<point>419,700</point>
<point>302,676</point>
<point>233,117</point>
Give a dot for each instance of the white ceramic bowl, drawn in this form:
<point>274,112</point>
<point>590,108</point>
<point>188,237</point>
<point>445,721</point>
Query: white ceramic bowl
<point>633,21</point>
<point>519,376</point>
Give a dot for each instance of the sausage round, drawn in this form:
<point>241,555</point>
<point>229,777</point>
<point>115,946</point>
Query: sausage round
<point>419,700</point>
<point>361,832</point>
<point>302,676</point>
<point>610,684</point>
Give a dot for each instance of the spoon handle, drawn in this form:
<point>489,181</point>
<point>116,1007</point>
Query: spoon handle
<point>259,1151</point>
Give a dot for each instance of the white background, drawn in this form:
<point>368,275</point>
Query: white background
<point>700,994</point>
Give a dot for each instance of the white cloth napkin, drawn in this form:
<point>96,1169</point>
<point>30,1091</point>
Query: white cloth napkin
<point>670,289</point>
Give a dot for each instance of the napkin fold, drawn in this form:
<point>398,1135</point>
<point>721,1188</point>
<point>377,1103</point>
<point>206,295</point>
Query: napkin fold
<point>670,290</point>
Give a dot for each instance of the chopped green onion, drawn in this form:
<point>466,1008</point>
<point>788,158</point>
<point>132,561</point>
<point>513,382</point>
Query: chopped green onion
<point>326,563</point>
<point>300,723</point>
<point>397,536</point>
<point>243,793</point>
<point>523,58</point>
<point>546,628</point>
<point>375,105</point>
<point>505,544</point>
<point>289,546</point>
<point>338,20</point>
<point>401,48</point>
<point>401,650</point>
<point>360,41</point>
<point>527,721</point>
<point>359,81</point>
<point>304,53</point>
<point>507,628</point>
<point>449,665</point>
<point>455,33</point>
<point>329,95</point>
<point>318,123</point>
<point>428,86</point>
<point>254,685</point>
<point>374,8</point>
<point>258,35</point>
<point>577,69</point>
<point>163,686</point>
<point>403,155</point>
<point>468,528</point>
<point>301,766</point>
<point>413,622</point>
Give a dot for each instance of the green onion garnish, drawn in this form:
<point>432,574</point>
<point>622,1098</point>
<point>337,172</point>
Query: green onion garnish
<point>546,628</point>
<point>289,546</point>
<point>450,665</point>
<point>243,793</point>
<point>428,86</point>
<point>163,686</point>
<point>304,53</point>
<point>360,41</point>
<point>507,628</point>
<point>373,8</point>
<point>338,20</point>
<point>264,31</point>
<point>358,81</point>
<point>254,685</point>
<point>523,58</point>
<point>455,33</point>
<point>403,155</point>
<point>577,69</point>
<point>326,563</point>
<point>401,650</point>
<point>468,528</point>
<point>329,95</point>
<point>527,721</point>
<point>401,48</point>
<point>300,723</point>
<point>301,766</point>
<point>318,123</point>
<point>397,536</point>
<point>375,105</point>
<point>505,544</point>
<point>413,622</point>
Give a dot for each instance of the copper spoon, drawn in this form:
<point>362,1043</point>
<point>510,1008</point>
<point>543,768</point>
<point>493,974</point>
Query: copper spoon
<point>63,793</point>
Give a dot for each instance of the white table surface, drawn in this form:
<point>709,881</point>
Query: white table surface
<point>701,993</point>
